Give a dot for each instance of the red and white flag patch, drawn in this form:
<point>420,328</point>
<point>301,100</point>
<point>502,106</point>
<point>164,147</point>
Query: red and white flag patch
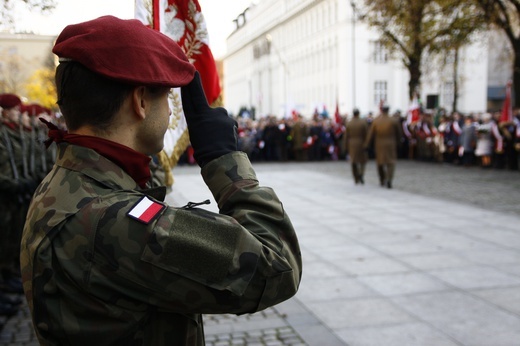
<point>146,210</point>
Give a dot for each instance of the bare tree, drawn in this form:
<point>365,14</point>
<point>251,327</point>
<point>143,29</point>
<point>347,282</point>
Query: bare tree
<point>505,15</point>
<point>7,7</point>
<point>12,77</point>
<point>411,28</point>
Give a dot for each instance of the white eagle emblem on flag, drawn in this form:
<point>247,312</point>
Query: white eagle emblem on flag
<point>183,22</point>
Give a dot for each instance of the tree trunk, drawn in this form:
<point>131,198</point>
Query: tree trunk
<point>414,67</point>
<point>455,80</point>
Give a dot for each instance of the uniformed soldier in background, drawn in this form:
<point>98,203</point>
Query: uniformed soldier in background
<point>104,260</point>
<point>15,191</point>
<point>41,159</point>
<point>385,133</point>
<point>356,132</point>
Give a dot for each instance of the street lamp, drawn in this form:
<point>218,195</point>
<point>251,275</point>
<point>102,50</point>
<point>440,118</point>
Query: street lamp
<point>353,52</point>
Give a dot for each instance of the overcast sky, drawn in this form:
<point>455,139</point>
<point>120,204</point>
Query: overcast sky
<point>219,15</point>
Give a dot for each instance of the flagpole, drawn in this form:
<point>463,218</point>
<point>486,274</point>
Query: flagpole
<point>156,15</point>
<point>353,53</point>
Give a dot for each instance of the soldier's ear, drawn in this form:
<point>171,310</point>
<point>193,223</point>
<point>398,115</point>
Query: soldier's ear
<point>139,103</point>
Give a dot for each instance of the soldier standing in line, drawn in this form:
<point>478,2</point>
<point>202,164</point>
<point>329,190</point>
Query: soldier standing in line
<point>13,188</point>
<point>104,260</point>
<point>38,158</point>
<point>356,133</point>
<point>385,133</point>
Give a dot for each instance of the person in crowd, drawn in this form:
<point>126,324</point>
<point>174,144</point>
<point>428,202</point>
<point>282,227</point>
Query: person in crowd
<point>516,120</point>
<point>439,143</point>
<point>355,134</point>
<point>468,141</point>
<point>424,133</point>
<point>285,140</point>
<point>300,135</point>
<point>508,130</point>
<point>328,141</point>
<point>451,133</point>
<point>485,144</point>
<point>314,139</point>
<point>385,133</point>
<point>104,260</point>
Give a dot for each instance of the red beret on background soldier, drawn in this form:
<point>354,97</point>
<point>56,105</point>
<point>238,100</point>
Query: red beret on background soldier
<point>104,260</point>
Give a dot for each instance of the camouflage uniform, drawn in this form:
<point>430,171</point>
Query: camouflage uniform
<point>8,189</point>
<point>80,246</point>
<point>15,192</point>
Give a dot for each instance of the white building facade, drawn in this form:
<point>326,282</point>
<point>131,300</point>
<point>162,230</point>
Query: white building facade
<point>302,55</point>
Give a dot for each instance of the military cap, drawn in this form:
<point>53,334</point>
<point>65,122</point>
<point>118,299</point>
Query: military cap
<point>126,51</point>
<point>8,101</point>
<point>33,109</point>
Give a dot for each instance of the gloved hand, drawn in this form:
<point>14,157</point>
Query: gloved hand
<point>212,132</point>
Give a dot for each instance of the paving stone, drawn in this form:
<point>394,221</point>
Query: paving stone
<point>433,261</point>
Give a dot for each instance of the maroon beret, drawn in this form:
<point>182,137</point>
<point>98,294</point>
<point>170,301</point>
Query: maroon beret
<point>126,51</point>
<point>33,109</point>
<point>8,101</point>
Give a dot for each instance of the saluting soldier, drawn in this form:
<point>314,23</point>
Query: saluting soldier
<point>385,132</point>
<point>104,260</point>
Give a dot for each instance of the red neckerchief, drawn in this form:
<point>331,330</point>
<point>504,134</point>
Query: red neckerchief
<point>11,125</point>
<point>131,161</point>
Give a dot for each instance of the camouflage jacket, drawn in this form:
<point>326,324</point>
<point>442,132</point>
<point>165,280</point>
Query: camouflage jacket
<point>10,155</point>
<point>95,275</point>
<point>19,164</point>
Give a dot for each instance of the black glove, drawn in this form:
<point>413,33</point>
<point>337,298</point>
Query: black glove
<point>212,132</point>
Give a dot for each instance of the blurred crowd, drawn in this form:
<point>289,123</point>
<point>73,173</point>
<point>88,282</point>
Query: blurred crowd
<point>480,139</point>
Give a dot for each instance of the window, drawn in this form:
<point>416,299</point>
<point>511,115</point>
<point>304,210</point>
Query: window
<point>447,94</point>
<point>380,92</point>
<point>380,53</point>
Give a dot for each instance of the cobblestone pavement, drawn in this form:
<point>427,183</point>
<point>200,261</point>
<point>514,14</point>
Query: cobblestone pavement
<point>293,323</point>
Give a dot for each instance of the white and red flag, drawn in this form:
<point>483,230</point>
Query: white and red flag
<point>182,21</point>
<point>413,111</point>
<point>507,109</point>
<point>337,115</point>
<point>146,210</point>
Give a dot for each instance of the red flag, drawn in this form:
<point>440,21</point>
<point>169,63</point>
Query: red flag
<point>413,111</point>
<point>337,116</point>
<point>194,42</point>
<point>507,109</point>
<point>183,22</point>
